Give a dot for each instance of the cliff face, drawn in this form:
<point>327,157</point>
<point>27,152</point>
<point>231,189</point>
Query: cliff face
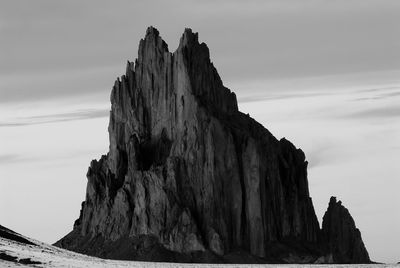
<point>341,235</point>
<point>187,174</point>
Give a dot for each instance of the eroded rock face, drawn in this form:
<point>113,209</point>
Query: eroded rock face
<point>341,235</point>
<point>189,170</point>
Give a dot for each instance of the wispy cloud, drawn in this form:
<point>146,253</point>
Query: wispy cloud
<point>9,158</point>
<point>379,93</point>
<point>381,112</point>
<point>55,118</point>
<point>267,97</point>
<point>317,156</point>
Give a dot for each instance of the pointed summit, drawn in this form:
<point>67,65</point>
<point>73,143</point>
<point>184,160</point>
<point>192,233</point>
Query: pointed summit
<point>151,31</point>
<point>342,236</point>
<point>151,48</point>
<point>189,38</point>
<point>153,36</point>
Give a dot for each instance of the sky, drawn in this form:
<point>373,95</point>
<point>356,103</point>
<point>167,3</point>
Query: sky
<point>324,74</point>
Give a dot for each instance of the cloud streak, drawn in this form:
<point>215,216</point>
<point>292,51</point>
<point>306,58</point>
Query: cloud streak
<point>56,118</point>
<point>380,96</point>
<point>9,158</point>
<point>381,112</point>
<point>271,97</point>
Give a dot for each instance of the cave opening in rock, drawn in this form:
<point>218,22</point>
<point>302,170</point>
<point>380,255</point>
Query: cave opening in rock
<point>154,152</point>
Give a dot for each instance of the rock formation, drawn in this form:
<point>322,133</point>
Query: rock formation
<point>341,235</point>
<point>188,177</point>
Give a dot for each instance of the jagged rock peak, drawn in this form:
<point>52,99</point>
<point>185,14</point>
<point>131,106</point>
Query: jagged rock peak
<point>152,31</point>
<point>152,46</point>
<point>203,80</point>
<point>341,235</point>
<point>333,202</point>
<point>188,38</point>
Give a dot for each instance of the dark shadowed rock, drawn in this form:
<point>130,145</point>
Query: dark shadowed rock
<point>11,235</point>
<point>341,235</point>
<point>188,177</point>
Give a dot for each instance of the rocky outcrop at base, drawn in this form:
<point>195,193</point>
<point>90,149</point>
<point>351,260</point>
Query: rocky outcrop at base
<point>342,237</point>
<point>188,177</point>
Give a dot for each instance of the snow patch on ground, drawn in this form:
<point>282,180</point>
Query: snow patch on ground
<point>51,256</point>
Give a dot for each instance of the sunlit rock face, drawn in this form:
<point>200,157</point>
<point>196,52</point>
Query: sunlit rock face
<point>187,174</point>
